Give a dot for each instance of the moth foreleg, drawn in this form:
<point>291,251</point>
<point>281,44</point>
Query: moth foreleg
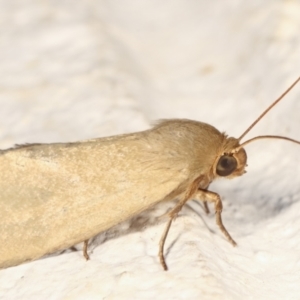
<point>208,196</point>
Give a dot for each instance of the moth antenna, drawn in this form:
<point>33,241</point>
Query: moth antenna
<point>265,112</point>
<point>265,137</point>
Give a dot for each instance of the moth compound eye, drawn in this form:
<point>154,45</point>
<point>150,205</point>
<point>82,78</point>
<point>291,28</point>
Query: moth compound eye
<point>226,165</point>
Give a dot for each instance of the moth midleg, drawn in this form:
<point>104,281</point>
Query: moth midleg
<point>208,196</point>
<point>85,248</point>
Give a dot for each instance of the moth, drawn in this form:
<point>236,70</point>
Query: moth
<point>53,196</point>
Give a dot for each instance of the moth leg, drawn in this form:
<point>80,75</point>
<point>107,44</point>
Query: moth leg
<point>172,215</point>
<point>162,243</point>
<point>206,209</point>
<point>208,196</point>
<point>85,248</point>
<point>192,190</point>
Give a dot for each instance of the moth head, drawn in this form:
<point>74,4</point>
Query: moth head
<point>231,162</point>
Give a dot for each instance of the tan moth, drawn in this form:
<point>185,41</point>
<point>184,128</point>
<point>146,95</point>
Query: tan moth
<point>53,196</point>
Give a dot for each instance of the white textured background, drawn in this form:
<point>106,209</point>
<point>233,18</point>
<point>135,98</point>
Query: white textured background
<point>72,70</point>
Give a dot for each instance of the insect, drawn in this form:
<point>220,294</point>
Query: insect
<point>53,196</point>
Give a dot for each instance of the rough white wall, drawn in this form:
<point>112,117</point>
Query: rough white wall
<point>72,70</point>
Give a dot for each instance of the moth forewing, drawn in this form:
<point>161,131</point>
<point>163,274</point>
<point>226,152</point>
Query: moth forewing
<point>56,195</point>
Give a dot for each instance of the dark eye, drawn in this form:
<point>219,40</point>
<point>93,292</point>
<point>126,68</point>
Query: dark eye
<point>226,165</point>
